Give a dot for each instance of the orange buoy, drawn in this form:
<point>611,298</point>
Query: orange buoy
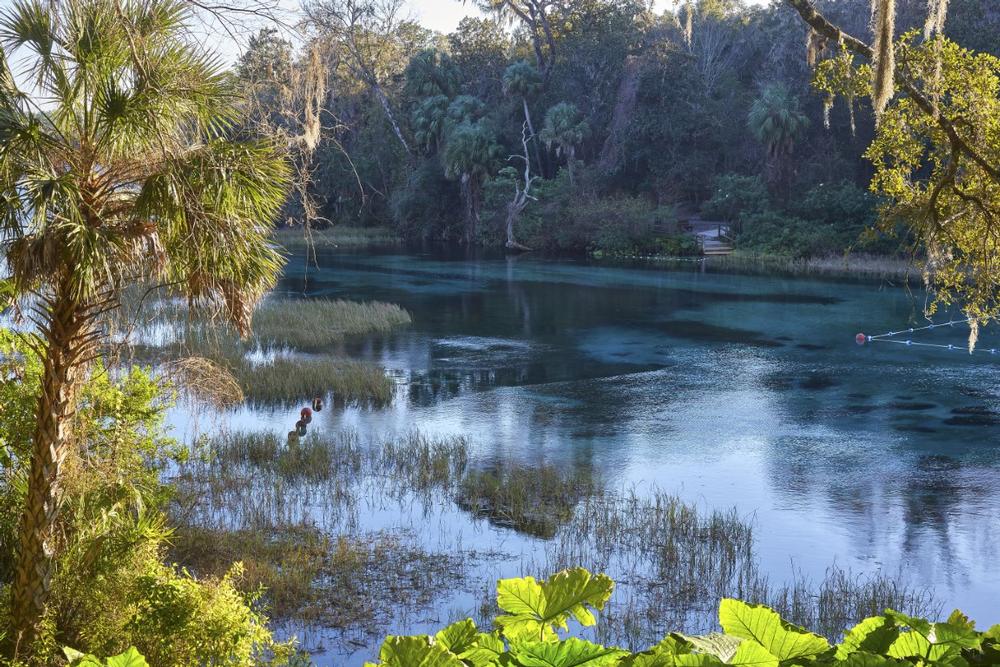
<point>861,339</point>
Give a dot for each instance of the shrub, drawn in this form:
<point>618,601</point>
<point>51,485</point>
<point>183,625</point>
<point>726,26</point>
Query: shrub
<point>111,589</point>
<point>569,219</point>
<point>735,197</point>
<point>527,634</point>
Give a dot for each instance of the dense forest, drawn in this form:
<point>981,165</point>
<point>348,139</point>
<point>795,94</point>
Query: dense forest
<point>597,125</point>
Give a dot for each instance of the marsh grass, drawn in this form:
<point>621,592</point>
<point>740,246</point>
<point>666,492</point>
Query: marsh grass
<point>296,511</point>
<point>297,239</point>
<point>272,367</point>
<point>535,500</point>
<point>351,583</point>
<point>289,379</point>
<point>837,266</point>
<point>310,324</point>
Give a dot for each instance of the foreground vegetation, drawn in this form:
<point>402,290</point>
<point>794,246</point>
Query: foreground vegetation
<point>527,634</point>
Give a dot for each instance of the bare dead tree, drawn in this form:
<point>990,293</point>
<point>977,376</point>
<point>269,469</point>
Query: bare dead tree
<point>365,30</point>
<point>521,195</point>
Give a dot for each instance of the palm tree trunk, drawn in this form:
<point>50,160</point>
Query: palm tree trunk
<point>69,336</point>
<point>471,209</point>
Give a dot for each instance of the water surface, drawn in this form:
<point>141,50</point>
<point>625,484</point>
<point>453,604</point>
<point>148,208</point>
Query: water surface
<point>728,389</point>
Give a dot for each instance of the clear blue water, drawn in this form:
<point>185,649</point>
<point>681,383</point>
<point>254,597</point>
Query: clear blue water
<point>728,389</point>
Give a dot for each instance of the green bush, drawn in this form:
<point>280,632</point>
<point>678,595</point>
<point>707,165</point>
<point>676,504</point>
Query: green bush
<point>111,589</point>
<point>735,197</point>
<point>568,218</point>
<point>527,635</point>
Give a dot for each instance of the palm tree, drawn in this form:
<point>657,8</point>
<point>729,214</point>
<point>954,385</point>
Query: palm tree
<point>470,156</point>
<point>565,129</point>
<point>522,81</point>
<point>429,120</point>
<point>117,167</point>
<point>777,122</point>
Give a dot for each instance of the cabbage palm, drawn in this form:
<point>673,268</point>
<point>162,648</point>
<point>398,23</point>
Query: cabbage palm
<point>522,81</point>
<point>777,122</point>
<point>117,167</point>
<point>565,129</point>
<point>469,156</point>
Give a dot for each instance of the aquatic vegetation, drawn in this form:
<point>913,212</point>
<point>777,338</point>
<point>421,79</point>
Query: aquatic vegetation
<point>290,379</point>
<point>308,324</point>
<point>533,612</point>
<point>292,512</point>
<point>297,239</point>
<point>536,500</point>
<point>351,583</point>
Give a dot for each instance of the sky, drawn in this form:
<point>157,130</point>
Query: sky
<point>444,15</point>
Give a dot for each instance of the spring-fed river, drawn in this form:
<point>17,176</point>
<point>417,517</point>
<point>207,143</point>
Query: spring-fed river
<point>727,389</point>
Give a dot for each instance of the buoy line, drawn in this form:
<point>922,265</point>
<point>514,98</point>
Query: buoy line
<point>890,337</point>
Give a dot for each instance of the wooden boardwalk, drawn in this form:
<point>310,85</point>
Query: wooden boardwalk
<point>713,236</point>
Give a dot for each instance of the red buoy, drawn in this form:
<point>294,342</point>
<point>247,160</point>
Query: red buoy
<point>305,412</point>
<point>860,339</point>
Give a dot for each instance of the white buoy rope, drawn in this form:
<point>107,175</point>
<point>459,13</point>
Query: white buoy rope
<point>894,337</point>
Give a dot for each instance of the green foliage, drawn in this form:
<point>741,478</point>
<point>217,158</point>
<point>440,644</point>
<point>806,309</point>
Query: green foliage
<point>776,120</point>
<point>752,636</point>
<point>111,589</point>
<point>180,199</point>
<point>130,658</point>
<point>522,80</point>
<point>937,170</point>
<point>735,197</point>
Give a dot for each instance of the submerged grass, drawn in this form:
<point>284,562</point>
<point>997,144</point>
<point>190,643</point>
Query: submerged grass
<point>349,582</point>
<point>309,324</point>
<point>296,510</point>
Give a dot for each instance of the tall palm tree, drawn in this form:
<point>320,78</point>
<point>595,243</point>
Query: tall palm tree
<point>777,122</point>
<point>522,81</point>
<point>117,166</point>
<point>565,129</point>
<point>469,156</point>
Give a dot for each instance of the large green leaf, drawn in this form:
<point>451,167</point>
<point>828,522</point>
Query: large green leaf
<point>458,637</point>
<point>751,654</point>
<point>535,609</point>
<point>865,659</point>
<point>485,651</point>
<point>874,635</point>
<point>730,650</point>
<point>782,640</point>
<point>915,646</point>
<point>573,652</point>
<point>415,652</point>
<point>130,658</point>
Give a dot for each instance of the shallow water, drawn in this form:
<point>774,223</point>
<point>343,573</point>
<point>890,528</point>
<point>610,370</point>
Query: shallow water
<point>729,390</point>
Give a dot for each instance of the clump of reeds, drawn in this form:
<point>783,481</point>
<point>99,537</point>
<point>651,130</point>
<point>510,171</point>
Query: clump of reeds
<point>297,239</point>
<point>837,266</point>
<point>287,379</point>
<point>348,583</point>
<point>536,500</point>
<point>309,324</point>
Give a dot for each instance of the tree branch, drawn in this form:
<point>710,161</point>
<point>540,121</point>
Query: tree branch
<point>807,10</point>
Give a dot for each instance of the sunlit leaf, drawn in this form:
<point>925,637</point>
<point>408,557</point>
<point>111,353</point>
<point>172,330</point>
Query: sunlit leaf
<point>875,635</point>
<point>763,625</point>
<point>573,652</point>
